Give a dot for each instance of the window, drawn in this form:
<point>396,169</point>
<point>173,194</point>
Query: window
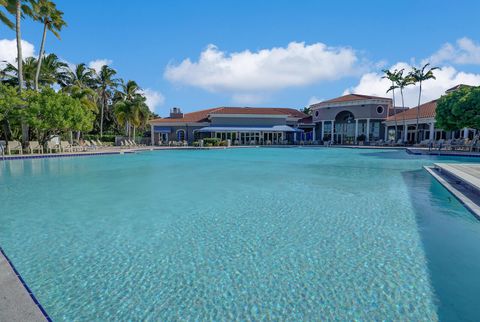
<point>380,109</point>
<point>180,135</point>
<point>316,113</point>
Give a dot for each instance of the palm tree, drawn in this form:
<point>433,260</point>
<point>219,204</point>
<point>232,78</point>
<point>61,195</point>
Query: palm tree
<point>12,76</point>
<point>53,71</point>
<point>3,17</point>
<point>393,77</point>
<point>46,12</point>
<point>106,82</point>
<point>419,75</point>
<point>402,82</point>
<point>81,76</point>
<point>19,8</point>
<point>80,83</point>
<point>130,107</point>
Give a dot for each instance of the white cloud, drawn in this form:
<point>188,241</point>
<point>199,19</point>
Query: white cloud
<point>373,84</point>
<point>98,63</point>
<point>154,99</point>
<point>465,51</point>
<point>314,100</point>
<point>8,50</point>
<point>248,76</point>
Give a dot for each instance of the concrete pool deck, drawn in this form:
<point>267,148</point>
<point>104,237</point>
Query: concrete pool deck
<point>17,302</point>
<point>462,180</point>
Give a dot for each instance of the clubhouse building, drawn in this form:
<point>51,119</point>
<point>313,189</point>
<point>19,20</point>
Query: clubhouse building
<point>343,120</point>
<point>241,125</point>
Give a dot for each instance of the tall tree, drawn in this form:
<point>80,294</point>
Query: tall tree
<point>46,12</point>
<point>12,76</point>
<point>53,71</point>
<point>19,8</point>
<point>393,78</point>
<point>106,83</point>
<point>420,75</point>
<point>3,17</point>
<point>131,110</point>
<point>459,109</point>
<point>80,76</point>
<point>402,82</point>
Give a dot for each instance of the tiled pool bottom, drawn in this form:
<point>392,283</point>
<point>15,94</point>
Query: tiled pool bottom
<point>274,234</point>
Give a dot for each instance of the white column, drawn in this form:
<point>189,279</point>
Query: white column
<point>465,133</point>
<point>322,132</point>
<point>152,135</point>
<point>294,137</point>
<point>356,130</point>
<point>368,131</point>
<point>314,137</point>
<point>432,131</point>
<point>333,130</point>
<point>386,133</point>
<point>405,133</point>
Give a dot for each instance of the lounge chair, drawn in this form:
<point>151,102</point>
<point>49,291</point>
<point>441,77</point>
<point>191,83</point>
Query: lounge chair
<point>14,146</point>
<point>34,146</point>
<point>52,146</point>
<point>65,146</point>
<point>89,145</point>
<point>399,142</point>
<point>99,143</point>
<point>440,144</point>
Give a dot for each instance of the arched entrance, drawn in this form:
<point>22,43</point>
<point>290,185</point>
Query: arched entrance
<point>344,128</point>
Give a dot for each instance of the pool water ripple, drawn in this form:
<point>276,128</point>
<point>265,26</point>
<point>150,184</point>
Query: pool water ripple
<point>251,234</point>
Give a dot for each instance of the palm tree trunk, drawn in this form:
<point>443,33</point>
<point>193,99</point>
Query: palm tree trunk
<point>394,112</point>
<point>40,56</point>
<point>403,113</point>
<point>6,129</point>
<point>134,132</point>
<point>18,18</point>
<point>418,112</point>
<point>101,114</point>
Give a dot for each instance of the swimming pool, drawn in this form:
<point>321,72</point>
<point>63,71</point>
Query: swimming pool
<point>245,234</point>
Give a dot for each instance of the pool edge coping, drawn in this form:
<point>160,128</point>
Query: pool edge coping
<point>25,286</point>
<point>471,205</point>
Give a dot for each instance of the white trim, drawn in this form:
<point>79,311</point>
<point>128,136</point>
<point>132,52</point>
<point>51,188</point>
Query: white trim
<point>411,121</point>
<point>178,123</point>
<point>369,101</point>
<point>249,115</point>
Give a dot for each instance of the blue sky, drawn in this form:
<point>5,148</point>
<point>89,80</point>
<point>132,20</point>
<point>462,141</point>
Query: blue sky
<point>359,39</point>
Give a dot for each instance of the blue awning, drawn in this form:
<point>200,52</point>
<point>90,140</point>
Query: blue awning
<point>275,128</point>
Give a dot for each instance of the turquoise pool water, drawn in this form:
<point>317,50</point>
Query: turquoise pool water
<point>241,234</point>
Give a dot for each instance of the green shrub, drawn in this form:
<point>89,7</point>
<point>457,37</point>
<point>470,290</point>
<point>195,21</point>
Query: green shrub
<point>211,141</point>
<point>105,138</point>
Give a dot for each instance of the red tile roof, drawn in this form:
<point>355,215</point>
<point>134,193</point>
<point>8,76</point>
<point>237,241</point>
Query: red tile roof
<point>352,97</point>
<point>202,115</point>
<point>427,110</point>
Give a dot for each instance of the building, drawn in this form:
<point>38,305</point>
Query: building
<point>407,122</point>
<point>346,119</point>
<point>242,125</point>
